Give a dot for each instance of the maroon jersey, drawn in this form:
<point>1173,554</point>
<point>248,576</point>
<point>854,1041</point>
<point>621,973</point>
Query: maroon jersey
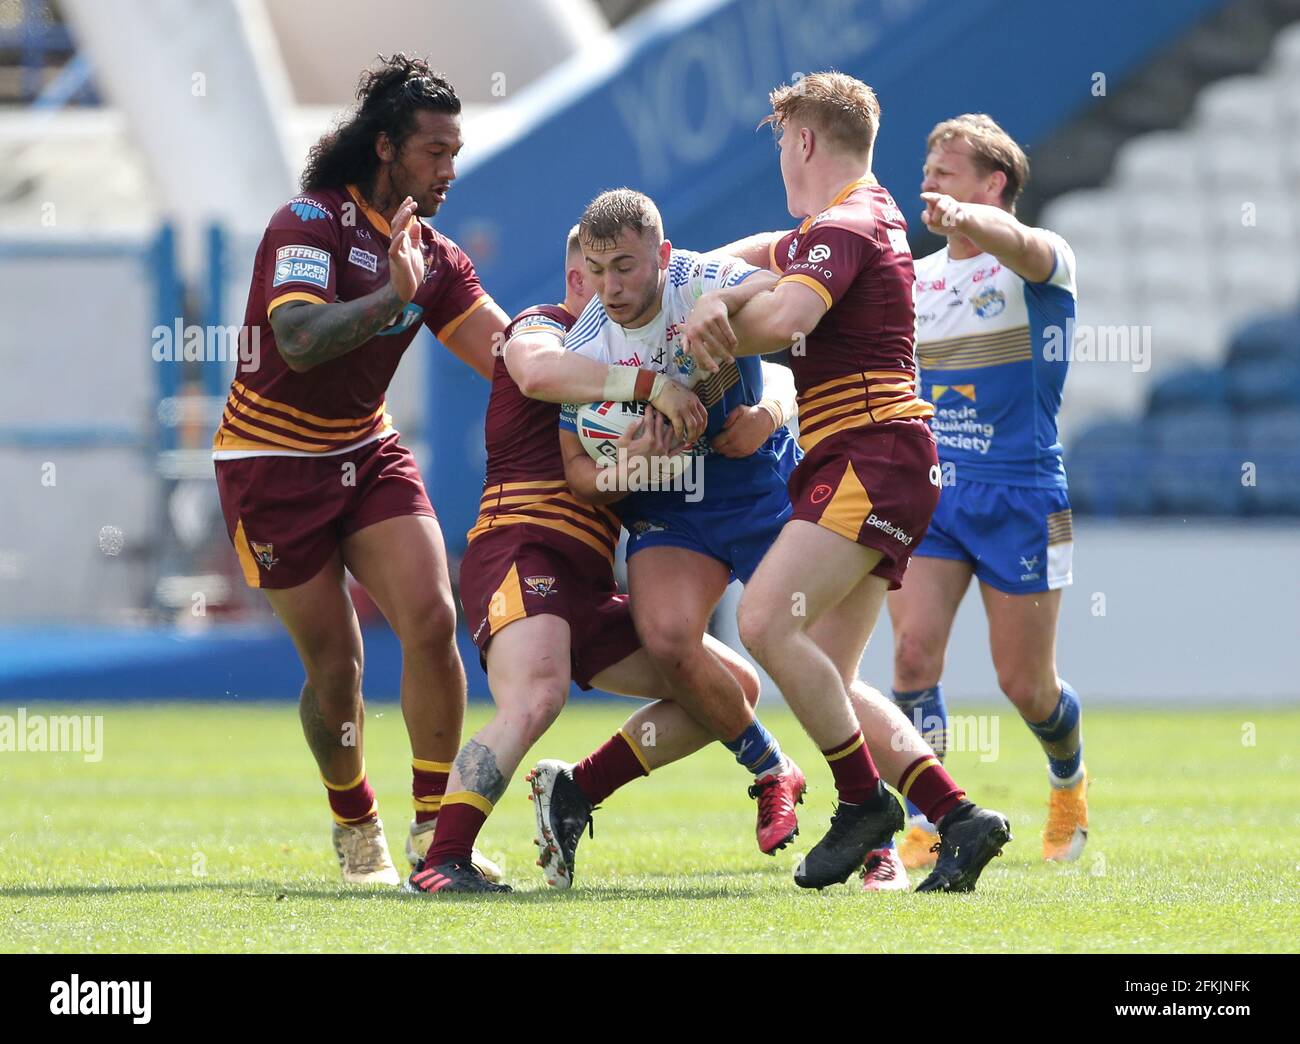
<point>323,247</point>
<point>858,365</point>
<point>525,481</point>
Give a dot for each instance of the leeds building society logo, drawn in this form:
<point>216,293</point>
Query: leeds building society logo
<point>989,302</point>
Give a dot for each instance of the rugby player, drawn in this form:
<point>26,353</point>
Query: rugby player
<point>684,544</point>
<point>867,484</point>
<point>312,477</point>
<point>986,305</point>
<point>538,588</point>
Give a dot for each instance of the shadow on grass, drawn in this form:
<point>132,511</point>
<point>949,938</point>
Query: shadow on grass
<point>281,892</point>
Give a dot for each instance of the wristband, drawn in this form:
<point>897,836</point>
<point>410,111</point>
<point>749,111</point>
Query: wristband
<point>774,410</point>
<point>620,384</point>
<point>647,381</point>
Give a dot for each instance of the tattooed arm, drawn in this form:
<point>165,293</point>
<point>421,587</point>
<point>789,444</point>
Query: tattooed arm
<point>310,334</point>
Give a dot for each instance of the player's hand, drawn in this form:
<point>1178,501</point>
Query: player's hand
<point>744,431</point>
<point>683,409</point>
<point>708,334</point>
<point>652,441</point>
<point>405,256</point>
<point>943,215</point>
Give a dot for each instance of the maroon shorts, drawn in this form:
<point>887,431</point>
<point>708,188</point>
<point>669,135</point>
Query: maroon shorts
<point>287,515</point>
<point>876,485</point>
<point>519,570</point>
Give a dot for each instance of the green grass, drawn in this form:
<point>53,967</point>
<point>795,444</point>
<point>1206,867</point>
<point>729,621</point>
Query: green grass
<point>204,828</point>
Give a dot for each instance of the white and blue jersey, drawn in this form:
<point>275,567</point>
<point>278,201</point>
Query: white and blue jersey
<point>990,352</point>
<point>744,501</point>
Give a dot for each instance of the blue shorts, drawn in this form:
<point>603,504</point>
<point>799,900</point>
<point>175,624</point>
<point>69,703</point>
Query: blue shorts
<point>1020,540</point>
<point>736,530</point>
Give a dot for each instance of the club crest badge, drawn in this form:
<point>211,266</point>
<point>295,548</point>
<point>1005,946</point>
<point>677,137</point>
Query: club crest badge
<point>264,554</point>
<point>540,585</point>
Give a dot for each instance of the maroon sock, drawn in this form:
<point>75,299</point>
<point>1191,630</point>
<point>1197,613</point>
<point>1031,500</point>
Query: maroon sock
<point>856,778</point>
<point>354,802</point>
<point>462,817</point>
<point>605,770</point>
<point>927,785</point>
<point>428,784</point>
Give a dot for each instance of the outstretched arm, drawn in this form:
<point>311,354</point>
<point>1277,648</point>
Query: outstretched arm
<point>475,338</point>
<point>1028,252</point>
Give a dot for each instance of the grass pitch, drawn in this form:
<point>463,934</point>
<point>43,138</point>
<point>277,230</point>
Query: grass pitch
<point>204,828</point>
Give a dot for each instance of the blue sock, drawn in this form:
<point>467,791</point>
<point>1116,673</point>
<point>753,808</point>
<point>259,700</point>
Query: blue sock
<point>756,749</point>
<point>927,711</point>
<point>1061,737</point>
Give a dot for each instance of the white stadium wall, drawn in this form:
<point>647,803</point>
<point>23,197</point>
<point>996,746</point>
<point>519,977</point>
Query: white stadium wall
<point>1159,611</point>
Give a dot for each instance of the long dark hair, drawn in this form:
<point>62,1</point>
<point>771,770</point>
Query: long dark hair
<point>389,97</point>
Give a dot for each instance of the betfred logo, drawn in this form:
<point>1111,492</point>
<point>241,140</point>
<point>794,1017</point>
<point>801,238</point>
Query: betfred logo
<point>820,493</point>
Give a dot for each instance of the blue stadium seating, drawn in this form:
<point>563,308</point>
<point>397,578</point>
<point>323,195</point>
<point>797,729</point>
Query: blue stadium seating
<point>1219,441</point>
<point>1263,383</point>
<point>1109,470</point>
<point>1270,445</point>
<point>1196,462</point>
<point>1274,337</point>
<point>1188,388</point>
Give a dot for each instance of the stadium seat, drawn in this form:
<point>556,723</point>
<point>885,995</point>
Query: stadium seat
<point>1263,383</point>
<point>1167,217</point>
<point>1256,280</point>
<point>1196,462</point>
<point>1161,160</point>
<point>1234,159</point>
<point>1193,428</point>
<point>1269,429</point>
<point>1185,332</point>
<point>1272,337</point>
<point>1086,218</point>
<point>1243,105</point>
<point>1169,272</point>
<point>1188,389</point>
<point>1269,445</point>
<point>1109,470</point>
<point>1246,217</point>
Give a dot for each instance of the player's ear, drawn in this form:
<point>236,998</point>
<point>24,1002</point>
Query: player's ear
<point>997,182</point>
<point>384,147</point>
<point>665,253</point>
<point>808,140</point>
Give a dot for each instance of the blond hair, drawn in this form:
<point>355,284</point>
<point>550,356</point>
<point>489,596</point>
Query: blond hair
<point>612,211</point>
<point>843,108</point>
<point>991,148</point>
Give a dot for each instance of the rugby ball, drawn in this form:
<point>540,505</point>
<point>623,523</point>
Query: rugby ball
<point>600,424</point>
